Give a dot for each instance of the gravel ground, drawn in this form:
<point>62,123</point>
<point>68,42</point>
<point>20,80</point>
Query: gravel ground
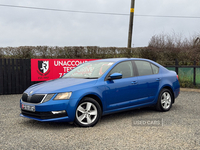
<point>179,129</point>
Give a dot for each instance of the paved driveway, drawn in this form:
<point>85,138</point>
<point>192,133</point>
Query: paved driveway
<point>137,129</point>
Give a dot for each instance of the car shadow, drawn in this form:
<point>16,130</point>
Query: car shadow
<point>46,125</point>
<point>142,113</point>
<point>131,113</point>
<point>148,112</point>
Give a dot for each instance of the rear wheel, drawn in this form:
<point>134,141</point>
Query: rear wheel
<point>165,100</point>
<point>88,113</point>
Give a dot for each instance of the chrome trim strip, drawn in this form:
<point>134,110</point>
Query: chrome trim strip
<point>43,98</point>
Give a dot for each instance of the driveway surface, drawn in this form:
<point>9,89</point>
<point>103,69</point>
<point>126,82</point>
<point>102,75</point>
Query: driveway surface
<point>137,129</point>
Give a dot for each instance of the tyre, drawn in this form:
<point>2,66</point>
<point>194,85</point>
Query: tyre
<point>165,100</point>
<point>88,113</point>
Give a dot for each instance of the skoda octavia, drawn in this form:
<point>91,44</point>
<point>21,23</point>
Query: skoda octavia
<point>101,87</point>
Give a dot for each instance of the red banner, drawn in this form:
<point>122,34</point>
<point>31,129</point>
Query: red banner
<point>48,69</point>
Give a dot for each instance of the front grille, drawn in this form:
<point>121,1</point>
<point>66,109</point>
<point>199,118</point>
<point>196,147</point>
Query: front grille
<point>42,115</point>
<point>36,98</point>
<point>24,97</point>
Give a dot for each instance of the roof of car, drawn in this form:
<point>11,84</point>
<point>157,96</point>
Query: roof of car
<point>120,59</point>
<point>124,59</point>
<point>112,59</point>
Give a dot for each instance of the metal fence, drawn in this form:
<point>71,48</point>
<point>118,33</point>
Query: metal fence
<point>15,75</point>
<point>187,73</point>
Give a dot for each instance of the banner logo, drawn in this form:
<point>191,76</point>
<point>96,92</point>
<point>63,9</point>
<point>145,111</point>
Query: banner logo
<point>43,66</point>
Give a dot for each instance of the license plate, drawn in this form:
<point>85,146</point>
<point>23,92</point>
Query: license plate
<point>28,107</point>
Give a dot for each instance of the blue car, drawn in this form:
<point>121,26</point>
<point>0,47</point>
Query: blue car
<point>101,87</point>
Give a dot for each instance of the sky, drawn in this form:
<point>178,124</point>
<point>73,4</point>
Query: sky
<point>30,27</point>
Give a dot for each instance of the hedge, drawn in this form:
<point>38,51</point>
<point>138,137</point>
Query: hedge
<point>164,56</point>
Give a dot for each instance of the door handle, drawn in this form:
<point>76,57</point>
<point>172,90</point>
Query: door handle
<point>158,79</point>
<point>134,82</point>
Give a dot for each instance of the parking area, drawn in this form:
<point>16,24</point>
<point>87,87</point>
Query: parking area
<point>179,128</point>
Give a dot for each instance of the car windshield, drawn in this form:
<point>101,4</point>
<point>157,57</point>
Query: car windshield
<point>89,70</point>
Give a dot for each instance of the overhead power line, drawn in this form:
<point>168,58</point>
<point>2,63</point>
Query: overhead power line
<point>63,10</point>
<point>99,13</point>
<point>163,16</point>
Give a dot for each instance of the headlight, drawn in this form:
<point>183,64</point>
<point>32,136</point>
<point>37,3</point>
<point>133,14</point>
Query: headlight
<point>48,97</point>
<point>66,95</point>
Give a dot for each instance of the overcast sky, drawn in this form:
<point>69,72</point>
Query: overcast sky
<point>28,27</point>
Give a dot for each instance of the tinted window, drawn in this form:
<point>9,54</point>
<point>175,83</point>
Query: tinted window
<point>125,68</point>
<point>155,69</point>
<point>144,68</point>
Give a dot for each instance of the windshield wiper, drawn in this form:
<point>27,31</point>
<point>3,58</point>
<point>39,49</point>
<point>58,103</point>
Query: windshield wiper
<point>91,78</point>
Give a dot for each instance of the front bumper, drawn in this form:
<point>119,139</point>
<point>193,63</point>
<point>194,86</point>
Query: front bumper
<point>43,115</point>
<point>44,111</point>
<point>61,119</point>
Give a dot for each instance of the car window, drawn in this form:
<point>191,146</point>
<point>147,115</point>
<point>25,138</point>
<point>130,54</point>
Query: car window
<point>155,69</point>
<point>125,68</point>
<point>92,69</point>
<point>144,68</point>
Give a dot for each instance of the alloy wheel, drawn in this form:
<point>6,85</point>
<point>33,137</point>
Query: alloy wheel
<point>166,100</point>
<point>86,113</point>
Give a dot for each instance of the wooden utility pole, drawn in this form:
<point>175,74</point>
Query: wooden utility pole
<point>131,23</point>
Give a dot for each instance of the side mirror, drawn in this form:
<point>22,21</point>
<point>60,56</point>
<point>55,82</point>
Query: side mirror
<point>115,76</point>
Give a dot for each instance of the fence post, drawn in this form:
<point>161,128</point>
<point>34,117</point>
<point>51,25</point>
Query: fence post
<point>18,69</point>
<point>194,74</point>
<point>176,66</point>
<point>21,76</point>
<point>28,72</point>
<point>24,77</point>
<point>13,74</point>
<point>1,77</point>
<point>5,77</point>
<point>8,68</point>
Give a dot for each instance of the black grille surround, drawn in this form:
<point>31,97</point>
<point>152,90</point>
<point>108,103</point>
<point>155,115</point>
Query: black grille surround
<point>36,98</point>
<point>25,97</point>
<point>42,115</point>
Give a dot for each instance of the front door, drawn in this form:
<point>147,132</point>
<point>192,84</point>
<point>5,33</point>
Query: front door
<point>120,92</point>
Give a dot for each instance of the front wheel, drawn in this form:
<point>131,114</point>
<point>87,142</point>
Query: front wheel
<point>165,99</point>
<point>88,113</point>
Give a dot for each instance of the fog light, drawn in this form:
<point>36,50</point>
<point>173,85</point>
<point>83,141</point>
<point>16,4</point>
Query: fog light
<point>58,112</point>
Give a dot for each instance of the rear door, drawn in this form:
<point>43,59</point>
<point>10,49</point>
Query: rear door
<point>148,80</point>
